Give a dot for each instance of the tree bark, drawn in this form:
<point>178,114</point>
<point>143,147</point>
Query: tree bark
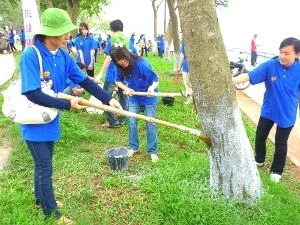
<point>154,8</point>
<point>232,168</point>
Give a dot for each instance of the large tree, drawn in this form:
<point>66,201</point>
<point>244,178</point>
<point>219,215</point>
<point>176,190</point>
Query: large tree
<point>232,168</point>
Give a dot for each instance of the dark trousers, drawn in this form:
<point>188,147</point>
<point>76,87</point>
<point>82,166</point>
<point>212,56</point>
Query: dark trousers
<point>253,58</point>
<point>90,73</point>
<point>144,50</point>
<point>42,153</point>
<point>281,137</point>
<point>109,88</point>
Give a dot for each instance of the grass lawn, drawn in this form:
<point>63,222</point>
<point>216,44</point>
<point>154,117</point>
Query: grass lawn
<point>173,191</point>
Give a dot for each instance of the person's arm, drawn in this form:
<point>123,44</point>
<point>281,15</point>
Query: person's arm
<point>181,58</point>
<point>127,91</point>
<point>241,78</point>
<point>40,98</point>
<point>81,56</point>
<point>91,65</point>
<point>103,68</point>
<point>152,87</point>
<point>95,90</point>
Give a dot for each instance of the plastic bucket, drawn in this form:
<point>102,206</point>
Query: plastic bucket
<point>169,101</point>
<point>117,158</point>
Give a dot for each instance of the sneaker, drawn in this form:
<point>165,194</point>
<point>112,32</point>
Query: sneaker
<point>58,203</point>
<point>131,152</point>
<point>260,164</point>
<point>154,158</point>
<point>64,220</point>
<point>107,125</point>
<point>275,177</point>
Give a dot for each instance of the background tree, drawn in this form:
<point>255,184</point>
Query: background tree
<point>155,9</point>
<point>232,168</point>
<point>11,14</point>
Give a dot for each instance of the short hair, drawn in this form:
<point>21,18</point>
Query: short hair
<point>116,25</point>
<point>291,41</point>
<point>83,25</point>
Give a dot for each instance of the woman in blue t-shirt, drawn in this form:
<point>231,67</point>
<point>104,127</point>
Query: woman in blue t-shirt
<point>58,67</point>
<point>86,46</point>
<point>134,74</point>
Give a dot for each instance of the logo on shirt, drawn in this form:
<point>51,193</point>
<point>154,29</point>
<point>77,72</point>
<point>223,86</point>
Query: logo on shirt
<point>46,74</point>
<point>273,78</point>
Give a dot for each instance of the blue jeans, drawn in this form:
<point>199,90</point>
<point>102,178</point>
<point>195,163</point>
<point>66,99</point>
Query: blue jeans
<point>150,111</point>
<point>42,153</point>
<point>109,88</point>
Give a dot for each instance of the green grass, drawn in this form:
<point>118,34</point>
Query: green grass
<point>173,191</point>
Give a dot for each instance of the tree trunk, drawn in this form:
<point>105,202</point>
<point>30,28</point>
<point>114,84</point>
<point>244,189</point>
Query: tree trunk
<point>154,18</point>
<point>174,32</point>
<point>232,168</point>
<point>73,9</point>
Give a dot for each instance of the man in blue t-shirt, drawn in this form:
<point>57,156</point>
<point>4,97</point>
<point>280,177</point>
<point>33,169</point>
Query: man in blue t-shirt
<point>117,37</point>
<point>282,82</point>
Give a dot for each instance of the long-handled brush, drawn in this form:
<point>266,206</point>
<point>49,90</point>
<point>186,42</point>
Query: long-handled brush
<point>107,108</point>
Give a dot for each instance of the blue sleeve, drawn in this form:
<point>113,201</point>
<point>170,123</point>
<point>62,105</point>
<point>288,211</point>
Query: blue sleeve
<point>77,43</point>
<point>259,74</point>
<point>95,90</point>
<point>107,48</point>
<point>147,70</point>
<point>40,98</point>
<point>30,75</point>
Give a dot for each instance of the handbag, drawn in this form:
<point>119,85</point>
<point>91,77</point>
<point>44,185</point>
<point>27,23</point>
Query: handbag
<point>20,110</point>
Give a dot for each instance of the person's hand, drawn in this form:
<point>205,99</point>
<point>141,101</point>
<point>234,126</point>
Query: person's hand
<point>128,91</point>
<point>90,67</point>
<point>114,103</point>
<point>77,91</point>
<point>150,91</point>
<point>75,103</point>
<point>98,78</point>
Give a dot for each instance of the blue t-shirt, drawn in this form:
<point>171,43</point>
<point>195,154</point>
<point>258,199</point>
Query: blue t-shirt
<point>141,79</point>
<point>70,44</point>
<point>185,64</point>
<point>110,72</point>
<point>60,67</point>
<point>160,42</point>
<point>22,37</point>
<point>85,44</point>
<point>11,38</point>
<point>282,91</point>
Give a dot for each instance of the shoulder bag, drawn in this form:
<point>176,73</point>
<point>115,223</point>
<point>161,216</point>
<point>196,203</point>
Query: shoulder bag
<point>20,110</point>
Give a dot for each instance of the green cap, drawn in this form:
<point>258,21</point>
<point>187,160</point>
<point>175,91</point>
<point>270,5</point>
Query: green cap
<point>55,22</point>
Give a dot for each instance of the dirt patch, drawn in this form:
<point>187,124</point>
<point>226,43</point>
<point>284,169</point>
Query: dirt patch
<point>296,171</point>
<point>5,149</point>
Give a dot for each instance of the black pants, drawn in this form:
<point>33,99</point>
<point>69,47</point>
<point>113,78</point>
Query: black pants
<point>253,58</point>
<point>281,137</point>
<point>13,48</point>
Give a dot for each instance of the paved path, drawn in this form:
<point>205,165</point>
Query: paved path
<point>250,101</point>
<point>7,65</point>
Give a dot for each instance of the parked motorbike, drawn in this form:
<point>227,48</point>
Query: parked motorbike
<point>238,68</point>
